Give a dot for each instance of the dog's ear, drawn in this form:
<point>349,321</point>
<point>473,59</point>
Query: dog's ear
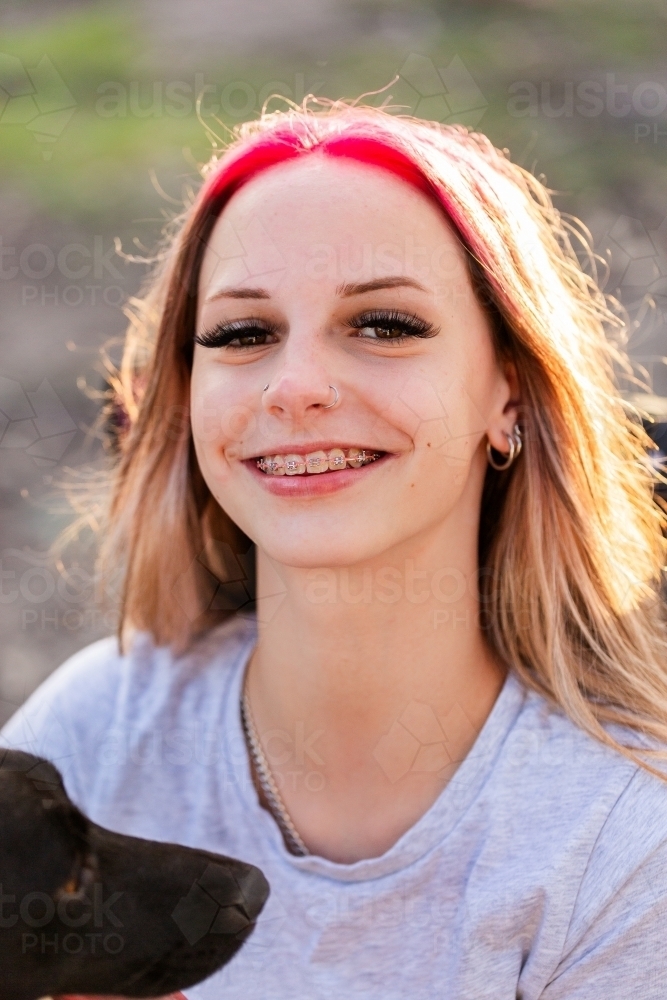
<point>43,776</point>
<point>45,782</point>
<point>22,762</point>
<point>44,837</point>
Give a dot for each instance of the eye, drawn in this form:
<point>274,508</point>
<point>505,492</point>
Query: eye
<point>390,326</point>
<point>81,879</point>
<point>239,334</point>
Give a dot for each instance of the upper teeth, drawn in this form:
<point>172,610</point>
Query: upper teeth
<point>316,461</point>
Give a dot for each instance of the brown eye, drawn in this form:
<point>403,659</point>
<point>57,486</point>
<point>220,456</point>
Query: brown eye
<point>238,334</point>
<point>250,340</point>
<point>392,327</point>
<point>386,332</point>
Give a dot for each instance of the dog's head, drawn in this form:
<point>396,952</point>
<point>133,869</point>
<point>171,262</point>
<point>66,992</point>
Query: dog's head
<point>84,910</point>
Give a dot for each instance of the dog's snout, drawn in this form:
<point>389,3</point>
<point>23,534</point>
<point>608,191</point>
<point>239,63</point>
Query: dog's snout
<point>224,900</point>
<point>255,890</point>
<point>237,885</point>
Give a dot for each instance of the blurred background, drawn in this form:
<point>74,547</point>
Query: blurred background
<point>101,138</point>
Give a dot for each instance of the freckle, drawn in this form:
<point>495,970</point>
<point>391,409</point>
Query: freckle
<point>428,444</point>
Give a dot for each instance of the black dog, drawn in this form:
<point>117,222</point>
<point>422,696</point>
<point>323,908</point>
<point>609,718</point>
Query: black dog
<point>85,910</point>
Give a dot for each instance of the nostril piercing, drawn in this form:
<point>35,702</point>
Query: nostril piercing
<point>335,399</point>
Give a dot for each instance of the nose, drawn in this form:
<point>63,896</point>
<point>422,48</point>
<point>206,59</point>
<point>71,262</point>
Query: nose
<point>303,383</point>
<point>254,889</point>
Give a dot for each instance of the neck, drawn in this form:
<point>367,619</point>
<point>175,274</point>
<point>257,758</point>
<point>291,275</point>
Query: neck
<point>369,684</point>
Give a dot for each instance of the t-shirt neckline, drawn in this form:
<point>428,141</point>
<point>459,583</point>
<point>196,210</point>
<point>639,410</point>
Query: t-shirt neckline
<point>433,826</point>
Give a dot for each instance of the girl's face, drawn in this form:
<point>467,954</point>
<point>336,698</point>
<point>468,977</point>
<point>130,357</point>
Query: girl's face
<point>333,273</point>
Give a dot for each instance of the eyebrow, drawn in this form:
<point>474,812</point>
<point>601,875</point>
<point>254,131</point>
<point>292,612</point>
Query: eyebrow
<point>344,291</point>
<point>238,293</point>
<point>347,289</point>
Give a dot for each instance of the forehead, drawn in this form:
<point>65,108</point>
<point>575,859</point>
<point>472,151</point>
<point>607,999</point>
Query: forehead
<point>296,214</point>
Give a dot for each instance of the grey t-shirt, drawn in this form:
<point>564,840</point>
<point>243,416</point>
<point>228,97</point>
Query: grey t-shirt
<point>540,871</point>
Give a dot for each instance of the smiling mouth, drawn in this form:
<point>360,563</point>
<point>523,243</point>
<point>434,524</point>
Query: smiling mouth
<point>317,462</point>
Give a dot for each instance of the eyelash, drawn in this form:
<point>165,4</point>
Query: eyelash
<point>224,333</point>
<point>412,327</point>
<point>390,319</point>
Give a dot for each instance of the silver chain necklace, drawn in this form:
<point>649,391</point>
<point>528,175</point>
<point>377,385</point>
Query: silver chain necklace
<point>266,780</point>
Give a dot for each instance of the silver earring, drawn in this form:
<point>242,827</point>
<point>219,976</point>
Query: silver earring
<point>265,387</point>
<point>336,398</point>
<point>515,444</point>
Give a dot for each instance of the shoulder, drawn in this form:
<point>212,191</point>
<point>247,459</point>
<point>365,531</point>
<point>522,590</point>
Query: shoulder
<point>80,685</point>
<point>100,691</point>
<point>615,934</point>
<point>554,777</point>
<point>628,861</point>
<point>555,753</point>
<point>609,811</point>
<point>589,826</point>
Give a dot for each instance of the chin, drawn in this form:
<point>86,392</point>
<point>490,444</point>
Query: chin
<point>306,551</point>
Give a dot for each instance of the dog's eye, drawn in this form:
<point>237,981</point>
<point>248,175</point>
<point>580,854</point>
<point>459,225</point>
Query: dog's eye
<point>81,879</point>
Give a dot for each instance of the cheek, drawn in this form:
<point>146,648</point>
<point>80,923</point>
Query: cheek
<point>435,411</point>
<point>221,418</point>
<point>446,418</point>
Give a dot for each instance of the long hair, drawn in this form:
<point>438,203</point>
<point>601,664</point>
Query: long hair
<point>571,541</point>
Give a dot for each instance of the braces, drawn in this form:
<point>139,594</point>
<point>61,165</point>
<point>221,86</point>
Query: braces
<point>365,457</point>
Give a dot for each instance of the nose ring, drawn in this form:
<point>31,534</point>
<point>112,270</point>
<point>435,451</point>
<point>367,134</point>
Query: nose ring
<point>335,399</point>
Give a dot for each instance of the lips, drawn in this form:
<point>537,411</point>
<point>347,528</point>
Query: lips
<point>316,462</point>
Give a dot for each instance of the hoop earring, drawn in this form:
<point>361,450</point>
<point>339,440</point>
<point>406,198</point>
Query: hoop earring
<point>515,444</point>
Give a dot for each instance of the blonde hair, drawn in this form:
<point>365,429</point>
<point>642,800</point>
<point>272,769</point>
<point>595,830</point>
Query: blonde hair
<point>571,544</point>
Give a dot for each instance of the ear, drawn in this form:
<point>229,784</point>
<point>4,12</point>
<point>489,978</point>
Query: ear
<point>505,412</point>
